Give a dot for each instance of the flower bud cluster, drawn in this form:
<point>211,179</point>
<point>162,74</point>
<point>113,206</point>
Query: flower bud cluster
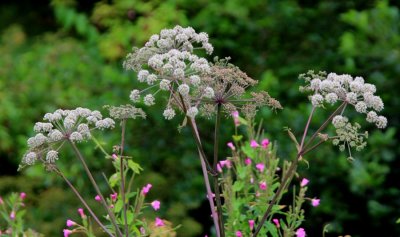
<point>348,135</point>
<point>331,88</point>
<point>73,125</point>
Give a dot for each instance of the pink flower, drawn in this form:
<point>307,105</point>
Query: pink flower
<point>219,169</point>
<point>1,201</point>
<point>22,195</point>
<point>247,161</point>
<point>67,232</point>
<point>146,189</point>
<point>254,144</point>
<point>114,156</point>
<point>265,143</point>
<point>81,213</point>
<point>235,115</point>
<point>70,223</point>
<point>230,145</point>
<point>97,198</point>
<point>315,202</point>
<point>239,233</point>
<point>226,163</point>
<point>251,224</point>
<point>263,185</point>
<point>12,215</point>
<point>260,167</point>
<point>114,196</point>
<point>159,222</point>
<point>276,222</point>
<point>156,205</point>
<point>142,230</point>
<point>300,232</point>
<point>304,182</point>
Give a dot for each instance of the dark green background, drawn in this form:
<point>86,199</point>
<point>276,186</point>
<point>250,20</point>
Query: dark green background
<point>66,53</point>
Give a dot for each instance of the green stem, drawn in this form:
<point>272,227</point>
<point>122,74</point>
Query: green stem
<point>215,178</point>
<point>83,202</point>
<point>123,125</point>
<point>103,201</point>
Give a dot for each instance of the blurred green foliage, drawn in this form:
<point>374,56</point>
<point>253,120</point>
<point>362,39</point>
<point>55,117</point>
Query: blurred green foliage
<point>67,53</point>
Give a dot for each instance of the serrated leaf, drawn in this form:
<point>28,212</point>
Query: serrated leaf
<point>135,167</point>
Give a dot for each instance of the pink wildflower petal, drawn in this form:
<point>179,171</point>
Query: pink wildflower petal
<point>251,224</point>
<point>254,144</point>
<point>156,205</point>
<point>315,202</point>
<point>263,185</point>
<point>239,233</point>
<point>70,223</point>
<point>97,198</point>
<point>159,222</point>
<point>12,215</point>
<point>219,169</point>
<point>247,161</point>
<point>276,222</point>
<point>230,145</point>
<point>114,196</point>
<point>146,189</point>
<point>235,114</point>
<point>22,195</point>
<point>304,182</point>
<point>114,156</point>
<point>300,232</point>
<point>260,167</point>
<point>67,232</point>
<point>81,213</point>
<point>265,143</point>
<point>226,163</point>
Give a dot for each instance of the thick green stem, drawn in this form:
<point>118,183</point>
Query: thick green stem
<point>215,178</point>
<point>96,187</point>
<point>83,202</point>
<point>123,126</point>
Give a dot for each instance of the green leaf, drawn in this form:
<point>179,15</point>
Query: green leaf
<point>135,167</point>
<point>248,150</point>
<point>118,206</point>
<point>272,229</point>
<point>237,138</point>
<point>237,186</point>
<point>114,179</point>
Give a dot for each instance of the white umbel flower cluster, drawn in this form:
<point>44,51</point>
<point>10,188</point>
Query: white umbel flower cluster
<point>332,88</point>
<point>168,61</point>
<point>62,125</point>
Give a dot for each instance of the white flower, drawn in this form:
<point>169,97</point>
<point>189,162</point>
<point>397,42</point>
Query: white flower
<point>55,135</point>
<point>52,117</point>
<point>42,127</point>
<point>339,121</point>
<point>105,123</point>
<point>83,129</point>
<point>195,80</point>
<point>75,137</point>
<point>326,85</point>
<point>151,79</point>
<point>381,122</point>
<point>149,100</point>
<point>135,96</point>
<point>69,122</point>
<point>179,73</point>
<point>209,92</point>
<point>51,156</point>
<point>164,84</point>
<point>377,103</point>
<point>356,86</point>
<point>317,100</point>
<point>208,47</point>
<point>372,117</point>
<point>192,112</point>
<point>30,158</point>
<point>351,97</point>
<point>183,89</point>
<point>315,83</point>
<point>36,141</point>
<point>331,98</point>
<point>142,75</point>
<point>169,113</point>
<point>361,107</point>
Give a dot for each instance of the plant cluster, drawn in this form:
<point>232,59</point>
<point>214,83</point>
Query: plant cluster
<point>245,191</point>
